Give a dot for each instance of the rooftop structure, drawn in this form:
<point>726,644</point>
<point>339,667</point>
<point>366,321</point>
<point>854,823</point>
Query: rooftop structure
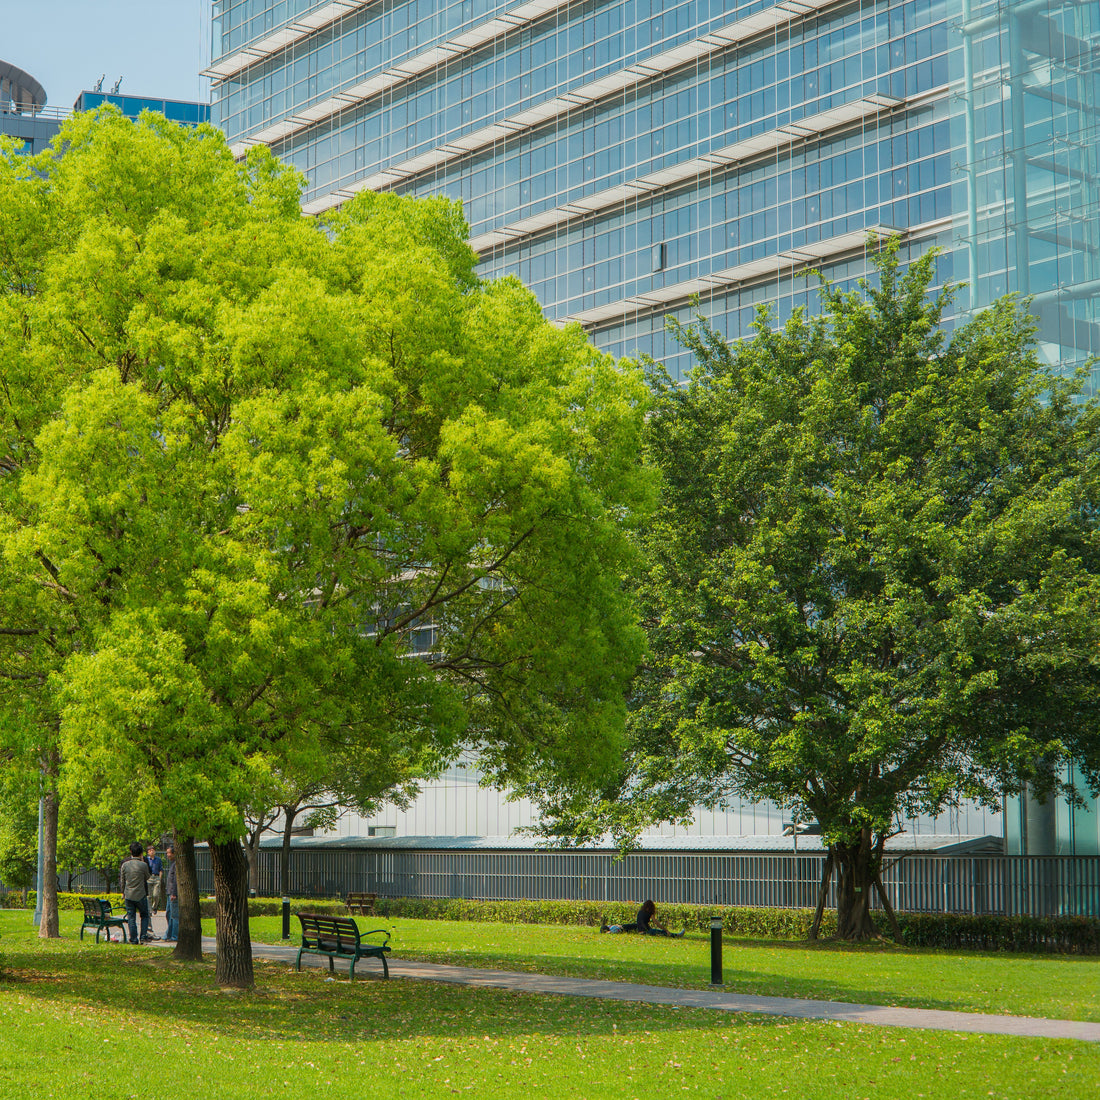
<point>19,91</point>
<point>26,117</point>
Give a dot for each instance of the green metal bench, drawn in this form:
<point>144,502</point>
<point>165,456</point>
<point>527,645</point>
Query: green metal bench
<point>100,915</point>
<point>340,938</point>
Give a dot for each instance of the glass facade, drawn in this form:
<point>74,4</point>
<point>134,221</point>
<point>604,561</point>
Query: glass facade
<point>183,111</point>
<point>1054,826</point>
<point>627,158</point>
<point>621,156</point>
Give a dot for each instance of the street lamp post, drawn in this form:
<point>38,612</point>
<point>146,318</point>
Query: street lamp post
<point>716,950</point>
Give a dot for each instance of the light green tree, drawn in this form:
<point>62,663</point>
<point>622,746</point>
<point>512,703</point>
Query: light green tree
<point>19,791</point>
<point>874,579</point>
<point>307,495</point>
<point>98,839</point>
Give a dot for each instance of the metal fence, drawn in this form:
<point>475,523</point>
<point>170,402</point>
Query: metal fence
<point>1014,885</point>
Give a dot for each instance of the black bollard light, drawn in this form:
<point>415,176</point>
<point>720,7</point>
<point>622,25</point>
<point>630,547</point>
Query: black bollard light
<point>286,918</point>
<point>715,950</point>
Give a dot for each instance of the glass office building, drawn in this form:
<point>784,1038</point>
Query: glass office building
<point>626,157</point>
<point>623,156</point>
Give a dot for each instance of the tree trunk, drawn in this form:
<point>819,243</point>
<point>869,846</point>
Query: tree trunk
<point>858,865</point>
<point>50,928</point>
<point>234,947</point>
<point>822,894</point>
<point>189,940</point>
<point>254,859</point>
<point>289,815</point>
<point>890,914</point>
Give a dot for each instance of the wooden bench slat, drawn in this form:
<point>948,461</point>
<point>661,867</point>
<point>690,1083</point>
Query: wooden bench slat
<point>361,903</point>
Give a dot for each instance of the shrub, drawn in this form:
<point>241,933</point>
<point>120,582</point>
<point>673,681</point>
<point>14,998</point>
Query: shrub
<point>1067,935</point>
<point>959,931</point>
<point>993,932</point>
<point>13,899</point>
<point>764,923</point>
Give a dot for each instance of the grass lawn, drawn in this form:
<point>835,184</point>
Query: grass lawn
<point>1056,986</point>
<point>108,1020</point>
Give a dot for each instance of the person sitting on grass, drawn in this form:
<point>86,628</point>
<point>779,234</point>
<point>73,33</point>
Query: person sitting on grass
<point>643,924</point>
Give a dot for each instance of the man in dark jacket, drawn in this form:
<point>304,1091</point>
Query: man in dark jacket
<point>134,877</point>
<point>172,891</point>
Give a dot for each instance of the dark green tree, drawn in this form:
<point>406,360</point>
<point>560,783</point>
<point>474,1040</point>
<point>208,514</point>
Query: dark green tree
<point>874,580</point>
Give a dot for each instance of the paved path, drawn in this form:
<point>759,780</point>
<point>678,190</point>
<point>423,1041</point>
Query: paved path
<point>716,999</point>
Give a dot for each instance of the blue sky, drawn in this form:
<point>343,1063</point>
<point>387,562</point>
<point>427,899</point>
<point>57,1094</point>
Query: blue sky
<point>156,46</point>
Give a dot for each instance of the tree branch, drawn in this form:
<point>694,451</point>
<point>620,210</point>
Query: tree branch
<point>437,601</point>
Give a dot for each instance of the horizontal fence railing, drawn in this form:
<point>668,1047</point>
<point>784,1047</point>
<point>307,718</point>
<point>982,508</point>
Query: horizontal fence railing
<point>1011,885</point>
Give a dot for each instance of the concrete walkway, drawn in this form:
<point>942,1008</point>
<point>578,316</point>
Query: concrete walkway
<point>716,999</point>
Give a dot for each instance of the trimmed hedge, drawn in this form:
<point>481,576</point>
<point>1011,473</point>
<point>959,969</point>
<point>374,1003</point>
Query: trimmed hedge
<point>273,907</point>
<point>738,921</point>
<point>1065,935</point>
<point>988,932</point>
<point>257,907</point>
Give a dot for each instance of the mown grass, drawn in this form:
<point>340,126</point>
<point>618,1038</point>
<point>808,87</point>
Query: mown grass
<point>115,1021</point>
<point>1055,986</point>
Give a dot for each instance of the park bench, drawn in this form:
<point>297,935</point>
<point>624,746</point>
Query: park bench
<point>340,938</point>
<point>363,904</point>
<point>100,915</point>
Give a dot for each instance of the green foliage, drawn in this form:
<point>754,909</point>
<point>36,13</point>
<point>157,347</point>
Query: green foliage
<point>1063,935</point>
<point>874,578</point>
<point>257,907</point>
<point>18,831</point>
<point>273,907</point>
<point>289,498</point>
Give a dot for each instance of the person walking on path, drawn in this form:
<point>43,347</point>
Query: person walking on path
<point>134,878</point>
<point>171,888</point>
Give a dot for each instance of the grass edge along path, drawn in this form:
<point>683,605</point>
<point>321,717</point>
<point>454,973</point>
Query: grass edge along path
<point>1046,986</point>
<point>714,1000</point>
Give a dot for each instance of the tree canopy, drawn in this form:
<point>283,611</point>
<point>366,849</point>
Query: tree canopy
<point>874,580</point>
<point>283,494</point>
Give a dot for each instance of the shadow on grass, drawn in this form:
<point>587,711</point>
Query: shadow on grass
<point>143,982</point>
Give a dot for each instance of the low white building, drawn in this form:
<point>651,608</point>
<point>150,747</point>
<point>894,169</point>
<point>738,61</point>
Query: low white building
<point>456,805</point>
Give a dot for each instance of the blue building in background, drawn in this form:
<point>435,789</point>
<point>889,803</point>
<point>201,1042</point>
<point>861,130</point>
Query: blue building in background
<point>183,111</point>
<point>26,117</point>
<point>624,156</point>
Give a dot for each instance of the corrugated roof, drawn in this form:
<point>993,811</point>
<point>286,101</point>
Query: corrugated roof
<point>939,844</point>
